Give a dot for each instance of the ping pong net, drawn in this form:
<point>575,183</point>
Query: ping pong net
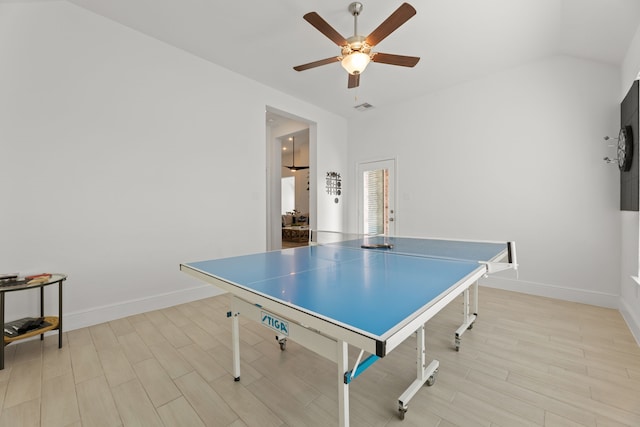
<point>486,252</point>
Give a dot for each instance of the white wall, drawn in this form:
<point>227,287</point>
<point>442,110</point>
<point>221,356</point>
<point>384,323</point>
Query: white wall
<point>513,156</point>
<point>330,215</point>
<point>121,160</point>
<point>630,289</point>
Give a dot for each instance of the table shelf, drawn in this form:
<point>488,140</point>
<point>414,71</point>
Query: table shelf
<point>54,323</point>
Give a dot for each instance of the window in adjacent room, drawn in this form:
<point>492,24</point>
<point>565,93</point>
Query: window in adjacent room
<point>288,194</point>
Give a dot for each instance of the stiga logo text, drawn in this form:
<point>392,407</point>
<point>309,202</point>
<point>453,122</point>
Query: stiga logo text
<point>274,323</point>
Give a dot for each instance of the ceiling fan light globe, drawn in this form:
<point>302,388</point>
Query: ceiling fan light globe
<point>355,62</point>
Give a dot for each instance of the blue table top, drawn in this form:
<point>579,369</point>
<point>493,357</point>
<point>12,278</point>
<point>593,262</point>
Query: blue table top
<point>368,290</point>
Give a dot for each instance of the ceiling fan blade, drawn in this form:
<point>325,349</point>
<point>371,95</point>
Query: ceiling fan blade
<point>354,81</point>
<point>388,58</point>
<point>395,20</point>
<point>316,63</point>
<point>324,27</point>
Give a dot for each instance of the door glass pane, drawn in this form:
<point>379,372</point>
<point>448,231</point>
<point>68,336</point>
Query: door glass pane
<point>375,203</point>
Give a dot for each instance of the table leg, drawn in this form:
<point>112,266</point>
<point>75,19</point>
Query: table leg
<point>60,315</point>
<point>235,343</point>
<point>475,299</point>
<point>420,353</point>
<point>466,305</point>
<point>41,307</point>
<point>424,374</point>
<point>342,349</point>
<point>2,321</point>
<point>468,318</point>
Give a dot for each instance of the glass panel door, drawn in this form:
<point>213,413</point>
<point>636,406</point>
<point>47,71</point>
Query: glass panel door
<point>376,197</point>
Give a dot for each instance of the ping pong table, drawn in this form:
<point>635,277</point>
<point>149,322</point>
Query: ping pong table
<point>368,292</point>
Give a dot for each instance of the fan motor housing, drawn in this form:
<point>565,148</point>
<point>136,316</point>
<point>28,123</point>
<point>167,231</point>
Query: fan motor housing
<point>355,8</point>
<point>356,43</point>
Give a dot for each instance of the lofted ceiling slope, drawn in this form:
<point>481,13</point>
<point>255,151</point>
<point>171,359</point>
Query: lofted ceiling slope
<point>457,40</point>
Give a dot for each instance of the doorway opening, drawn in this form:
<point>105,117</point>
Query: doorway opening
<point>288,225</point>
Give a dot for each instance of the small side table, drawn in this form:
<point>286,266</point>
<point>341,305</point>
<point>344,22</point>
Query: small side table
<point>54,322</point>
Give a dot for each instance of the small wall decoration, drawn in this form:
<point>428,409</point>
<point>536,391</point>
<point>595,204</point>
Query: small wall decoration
<point>334,185</point>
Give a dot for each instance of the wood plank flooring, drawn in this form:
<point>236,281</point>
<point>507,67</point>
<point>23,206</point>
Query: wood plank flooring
<point>528,361</point>
<point>289,244</point>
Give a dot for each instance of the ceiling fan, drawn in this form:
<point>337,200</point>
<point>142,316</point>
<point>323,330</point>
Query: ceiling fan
<point>293,166</point>
<point>356,50</point>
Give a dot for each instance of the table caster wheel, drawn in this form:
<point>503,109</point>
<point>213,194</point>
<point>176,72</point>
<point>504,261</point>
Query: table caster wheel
<point>282,342</point>
<point>432,379</point>
<point>401,411</point>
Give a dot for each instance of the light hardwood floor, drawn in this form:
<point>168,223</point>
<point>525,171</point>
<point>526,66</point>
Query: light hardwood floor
<point>290,244</point>
<point>528,361</point>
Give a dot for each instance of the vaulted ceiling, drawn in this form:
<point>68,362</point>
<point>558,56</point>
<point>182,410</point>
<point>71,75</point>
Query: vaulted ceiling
<point>457,40</point>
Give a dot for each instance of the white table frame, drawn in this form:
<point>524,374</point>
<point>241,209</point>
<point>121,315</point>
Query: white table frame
<point>331,340</point>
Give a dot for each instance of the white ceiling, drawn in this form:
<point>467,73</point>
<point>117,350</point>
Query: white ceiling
<point>457,40</point>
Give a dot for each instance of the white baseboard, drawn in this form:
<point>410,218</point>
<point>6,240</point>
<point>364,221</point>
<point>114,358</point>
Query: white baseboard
<point>632,320</point>
<point>600,299</point>
<point>96,315</point>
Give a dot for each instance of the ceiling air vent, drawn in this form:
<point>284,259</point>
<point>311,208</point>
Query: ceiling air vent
<point>363,107</point>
